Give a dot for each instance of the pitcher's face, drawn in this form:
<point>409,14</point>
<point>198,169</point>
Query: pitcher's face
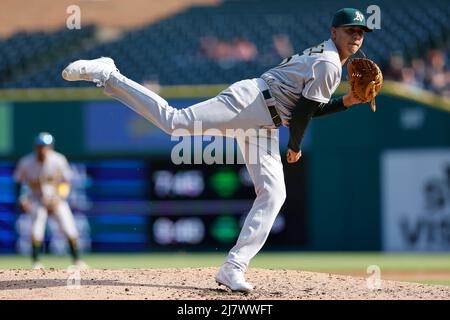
<point>348,40</point>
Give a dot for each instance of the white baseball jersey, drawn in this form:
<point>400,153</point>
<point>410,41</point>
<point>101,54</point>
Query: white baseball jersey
<point>315,74</point>
<point>43,178</point>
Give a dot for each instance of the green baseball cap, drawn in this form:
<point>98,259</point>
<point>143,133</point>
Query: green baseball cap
<point>347,17</point>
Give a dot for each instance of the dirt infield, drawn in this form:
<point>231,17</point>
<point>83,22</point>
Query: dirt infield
<point>198,283</point>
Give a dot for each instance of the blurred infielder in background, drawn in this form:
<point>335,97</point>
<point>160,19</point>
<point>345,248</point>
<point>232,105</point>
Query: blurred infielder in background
<point>45,176</point>
<point>290,94</point>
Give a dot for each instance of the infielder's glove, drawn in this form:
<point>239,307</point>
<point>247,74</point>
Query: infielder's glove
<point>365,80</point>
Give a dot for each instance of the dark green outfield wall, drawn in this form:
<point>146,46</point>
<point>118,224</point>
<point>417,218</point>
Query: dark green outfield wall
<point>62,119</point>
<point>344,167</point>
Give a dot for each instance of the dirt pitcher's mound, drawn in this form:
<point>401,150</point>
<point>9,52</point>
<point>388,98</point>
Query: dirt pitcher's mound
<point>198,283</point>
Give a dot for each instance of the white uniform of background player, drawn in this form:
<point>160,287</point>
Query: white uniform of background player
<point>248,104</point>
<point>45,175</point>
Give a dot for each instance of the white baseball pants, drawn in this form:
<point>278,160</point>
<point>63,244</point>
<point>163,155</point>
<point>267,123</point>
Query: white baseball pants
<point>240,106</point>
<point>62,214</point>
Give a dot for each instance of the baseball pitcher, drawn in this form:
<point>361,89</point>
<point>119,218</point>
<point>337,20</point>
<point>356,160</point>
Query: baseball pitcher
<point>45,178</point>
<point>290,94</point>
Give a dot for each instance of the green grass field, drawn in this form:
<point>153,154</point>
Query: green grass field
<point>321,262</point>
<point>433,268</point>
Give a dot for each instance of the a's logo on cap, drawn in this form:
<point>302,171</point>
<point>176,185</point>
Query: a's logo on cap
<point>358,17</point>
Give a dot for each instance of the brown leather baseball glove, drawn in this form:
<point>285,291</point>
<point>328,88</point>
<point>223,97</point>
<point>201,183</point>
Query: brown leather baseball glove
<point>365,79</point>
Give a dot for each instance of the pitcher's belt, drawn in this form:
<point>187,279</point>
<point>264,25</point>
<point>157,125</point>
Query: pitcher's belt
<point>270,102</point>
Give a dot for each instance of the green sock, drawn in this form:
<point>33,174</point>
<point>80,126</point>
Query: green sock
<point>36,250</point>
<point>74,250</point>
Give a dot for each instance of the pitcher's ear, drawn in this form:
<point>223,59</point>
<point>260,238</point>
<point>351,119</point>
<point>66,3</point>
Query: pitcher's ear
<point>333,33</point>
